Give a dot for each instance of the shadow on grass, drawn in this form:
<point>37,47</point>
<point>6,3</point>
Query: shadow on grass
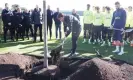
<point>11,44</point>
<point>49,44</point>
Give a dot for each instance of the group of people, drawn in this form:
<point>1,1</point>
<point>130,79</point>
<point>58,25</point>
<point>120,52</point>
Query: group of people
<point>19,23</point>
<point>107,26</point>
<point>99,26</point>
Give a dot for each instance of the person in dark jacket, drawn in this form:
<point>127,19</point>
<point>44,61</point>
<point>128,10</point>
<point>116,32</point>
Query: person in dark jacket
<point>74,13</point>
<point>27,23</point>
<point>18,24</point>
<point>74,26</point>
<point>36,20</point>
<point>49,20</point>
<point>6,18</point>
<point>57,24</point>
<point>118,22</point>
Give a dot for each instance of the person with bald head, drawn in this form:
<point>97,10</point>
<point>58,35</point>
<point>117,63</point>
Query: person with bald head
<point>49,20</point>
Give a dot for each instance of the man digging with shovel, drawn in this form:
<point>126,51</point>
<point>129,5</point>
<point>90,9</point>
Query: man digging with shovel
<point>74,26</point>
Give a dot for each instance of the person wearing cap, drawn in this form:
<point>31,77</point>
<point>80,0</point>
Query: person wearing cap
<point>106,32</point>
<point>74,26</point>
<point>88,20</point>
<point>118,22</point>
<point>98,23</point>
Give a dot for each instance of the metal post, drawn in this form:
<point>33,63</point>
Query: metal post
<point>45,34</point>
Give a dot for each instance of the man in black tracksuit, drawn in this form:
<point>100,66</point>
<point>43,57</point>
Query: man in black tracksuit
<point>36,19</point>
<point>74,26</point>
<point>49,20</point>
<point>74,13</point>
<point>6,18</point>
<point>17,22</point>
<point>27,23</point>
<point>57,24</point>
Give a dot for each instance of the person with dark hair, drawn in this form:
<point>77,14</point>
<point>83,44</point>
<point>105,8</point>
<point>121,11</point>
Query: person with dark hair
<point>49,21</point>
<point>57,24</point>
<point>88,20</point>
<point>74,13</point>
<point>98,23</point>
<point>129,18</point>
<point>36,20</point>
<point>130,23</point>
<point>106,32</point>
<point>18,24</point>
<point>27,24</point>
<point>6,18</point>
<point>118,22</point>
<point>74,26</point>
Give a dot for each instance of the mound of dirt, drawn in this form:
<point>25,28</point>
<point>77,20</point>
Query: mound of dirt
<point>15,65</point>
<point>16,59</point>
<point>97,69</point>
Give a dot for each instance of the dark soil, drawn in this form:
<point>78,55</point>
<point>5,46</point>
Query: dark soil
<point>97,69</point>
<point>15,66</point>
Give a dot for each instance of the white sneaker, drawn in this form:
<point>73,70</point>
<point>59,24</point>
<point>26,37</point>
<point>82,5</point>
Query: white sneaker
<point>57,38</point>
<point>115,51</point>
<point>120,53</point>
<point>98,41</point>
<point>32,38</point>
<point>103,44</point>
<point>84,41</point>
<point>109,44</point>
<point>125,42</point>
<point>89,41</point>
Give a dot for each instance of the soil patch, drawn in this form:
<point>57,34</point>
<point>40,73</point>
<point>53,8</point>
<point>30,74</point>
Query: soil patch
<point>97,69</point>
<point>15,65</point>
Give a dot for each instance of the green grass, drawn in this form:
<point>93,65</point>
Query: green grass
<point>85,50</point>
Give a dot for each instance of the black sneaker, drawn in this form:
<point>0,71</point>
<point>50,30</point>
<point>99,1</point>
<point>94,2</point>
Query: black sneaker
<point>41,40</point>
